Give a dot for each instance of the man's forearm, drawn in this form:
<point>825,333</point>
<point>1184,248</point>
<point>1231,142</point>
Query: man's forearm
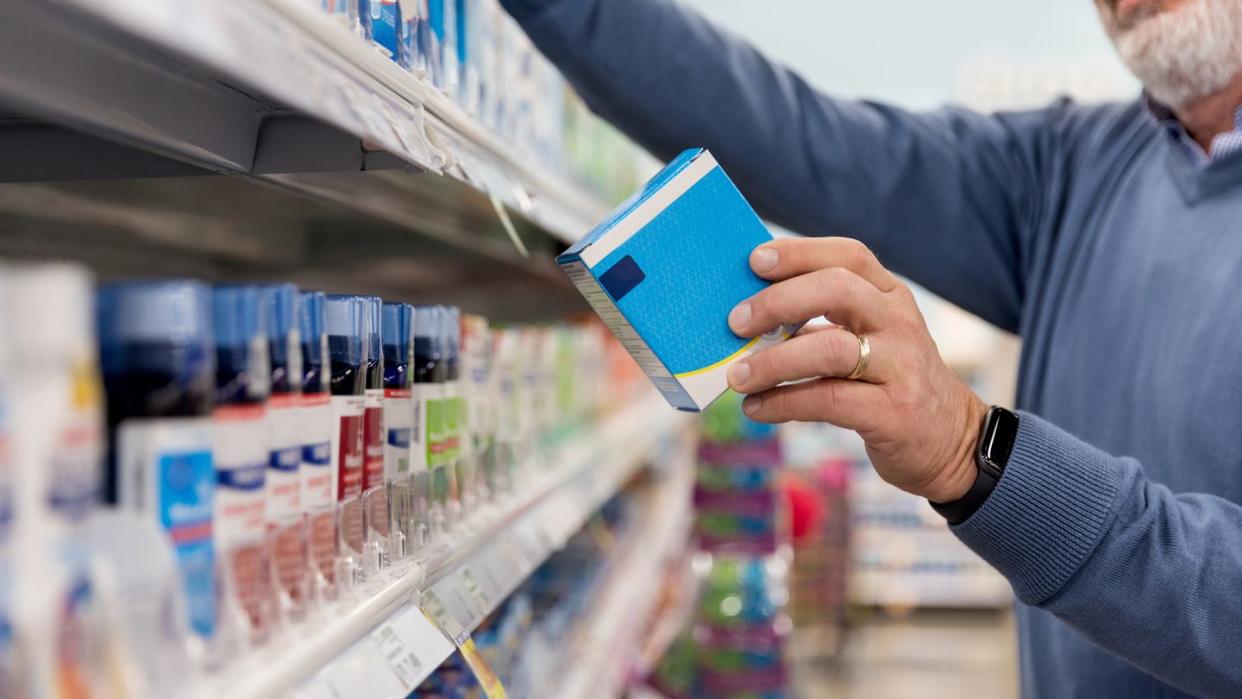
<point>942,198</point>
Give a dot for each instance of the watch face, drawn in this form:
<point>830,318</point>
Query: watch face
<point>999,432</point>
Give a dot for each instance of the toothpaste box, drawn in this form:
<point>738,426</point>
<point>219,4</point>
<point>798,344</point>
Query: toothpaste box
<point>665,269</point>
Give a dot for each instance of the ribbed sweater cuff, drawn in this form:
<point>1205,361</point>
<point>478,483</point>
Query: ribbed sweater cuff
<point>521,9</point>
<point>1047,513</point>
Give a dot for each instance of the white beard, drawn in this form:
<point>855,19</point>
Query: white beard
<point>1184,54</point>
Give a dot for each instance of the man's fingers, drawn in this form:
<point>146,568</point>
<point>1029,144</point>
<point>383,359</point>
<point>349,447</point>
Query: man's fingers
<point>844,297</point>
<point>831,352</point>
<point>844,403</point>
<point>789,257</point>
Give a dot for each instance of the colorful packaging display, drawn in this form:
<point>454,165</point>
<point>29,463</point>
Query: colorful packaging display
<point>740,621</point>
<point>236,495</point>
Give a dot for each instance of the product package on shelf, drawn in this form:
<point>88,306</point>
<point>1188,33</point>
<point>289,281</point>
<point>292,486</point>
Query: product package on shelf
<point>345,322</point>
<point>285,516</point>
<point>159,369</point>
<point>52,601</point>
<point>240,459</point>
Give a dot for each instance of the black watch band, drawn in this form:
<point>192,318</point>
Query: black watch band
<point>996,439</point>
<point>961,509</point>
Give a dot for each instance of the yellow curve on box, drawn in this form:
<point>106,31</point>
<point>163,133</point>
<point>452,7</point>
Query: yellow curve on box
<point>736,355</point>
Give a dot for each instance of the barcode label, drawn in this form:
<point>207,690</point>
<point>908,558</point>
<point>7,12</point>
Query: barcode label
<point>400,658</point>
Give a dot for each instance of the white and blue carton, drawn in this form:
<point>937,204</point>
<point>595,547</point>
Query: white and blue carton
<point>665,269</point>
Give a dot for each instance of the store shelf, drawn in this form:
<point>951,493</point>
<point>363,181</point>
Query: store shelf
<point>609,642</point>
<point>378,642</point>
<point>111,113</point>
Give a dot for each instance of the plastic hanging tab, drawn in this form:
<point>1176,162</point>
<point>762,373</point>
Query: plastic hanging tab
<point>503,214</point>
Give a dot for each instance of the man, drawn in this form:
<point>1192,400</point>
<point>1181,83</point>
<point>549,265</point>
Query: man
<point>1109,237</point>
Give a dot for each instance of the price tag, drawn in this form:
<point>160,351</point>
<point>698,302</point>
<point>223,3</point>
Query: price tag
<point>479,601</point>
<point>401,658</point>
<point>439,612</point>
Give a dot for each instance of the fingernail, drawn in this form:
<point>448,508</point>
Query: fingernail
<point>739,316</point>
<point>738,373</point>
<point>752,404</point>
<point>764,259</point>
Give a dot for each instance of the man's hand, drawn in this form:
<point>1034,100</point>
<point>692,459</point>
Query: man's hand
<point>919,421</point>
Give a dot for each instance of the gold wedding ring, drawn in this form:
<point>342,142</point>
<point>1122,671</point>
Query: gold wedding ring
<point>864,357</point>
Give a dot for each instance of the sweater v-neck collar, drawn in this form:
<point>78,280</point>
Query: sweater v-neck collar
<point>1198,175</point>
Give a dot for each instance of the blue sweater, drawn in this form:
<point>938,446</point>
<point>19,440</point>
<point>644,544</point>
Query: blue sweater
<point>1112,253</point>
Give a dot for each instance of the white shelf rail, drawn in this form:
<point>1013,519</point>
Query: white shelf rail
<point>294,57</point>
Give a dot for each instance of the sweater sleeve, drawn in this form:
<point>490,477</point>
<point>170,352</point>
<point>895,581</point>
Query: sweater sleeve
<point>947,198</point>
<point>1145,573</point>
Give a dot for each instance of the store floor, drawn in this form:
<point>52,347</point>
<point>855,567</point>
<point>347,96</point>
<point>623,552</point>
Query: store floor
<point>928,654</point>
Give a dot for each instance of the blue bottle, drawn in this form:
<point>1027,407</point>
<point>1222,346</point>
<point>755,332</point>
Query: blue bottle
<point>284,407</point>
<point>398,406</point>
<point>158,361</point>
<point>241,455</point>
<point>285,516</point>
<point>344,321</point>
<point>318,431</point>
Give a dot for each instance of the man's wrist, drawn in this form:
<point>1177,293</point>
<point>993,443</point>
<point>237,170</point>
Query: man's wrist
<point>998,433</point>
<point>958,478</point>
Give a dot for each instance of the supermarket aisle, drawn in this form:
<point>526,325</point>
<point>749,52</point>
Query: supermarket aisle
<point>931,654</point>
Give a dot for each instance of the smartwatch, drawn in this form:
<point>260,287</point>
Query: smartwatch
<point>996,438</point>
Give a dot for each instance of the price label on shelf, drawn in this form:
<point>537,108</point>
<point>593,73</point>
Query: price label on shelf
<point>391,661</point>
<point>480,602</point>
<point>446,619</point>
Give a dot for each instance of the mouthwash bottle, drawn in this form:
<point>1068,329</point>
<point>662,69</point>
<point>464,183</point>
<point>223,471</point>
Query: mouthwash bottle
<point>454,410</point>
<point>344,320</point>
<point>243,381</point>
<point>373,471</point>
<point>286,528</point>
<point>58,450</point>
<point>159,373</point>
<point>375,493</point>
<point>428,392</point>
<point>317,430</point>
<point>398,421</point>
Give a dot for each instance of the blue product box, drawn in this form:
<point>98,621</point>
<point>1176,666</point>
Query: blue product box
<point>382,23</point>
<point>665,269</point>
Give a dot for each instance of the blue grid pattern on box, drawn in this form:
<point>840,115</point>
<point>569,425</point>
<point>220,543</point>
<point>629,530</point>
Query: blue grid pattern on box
<point>665,269</point>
